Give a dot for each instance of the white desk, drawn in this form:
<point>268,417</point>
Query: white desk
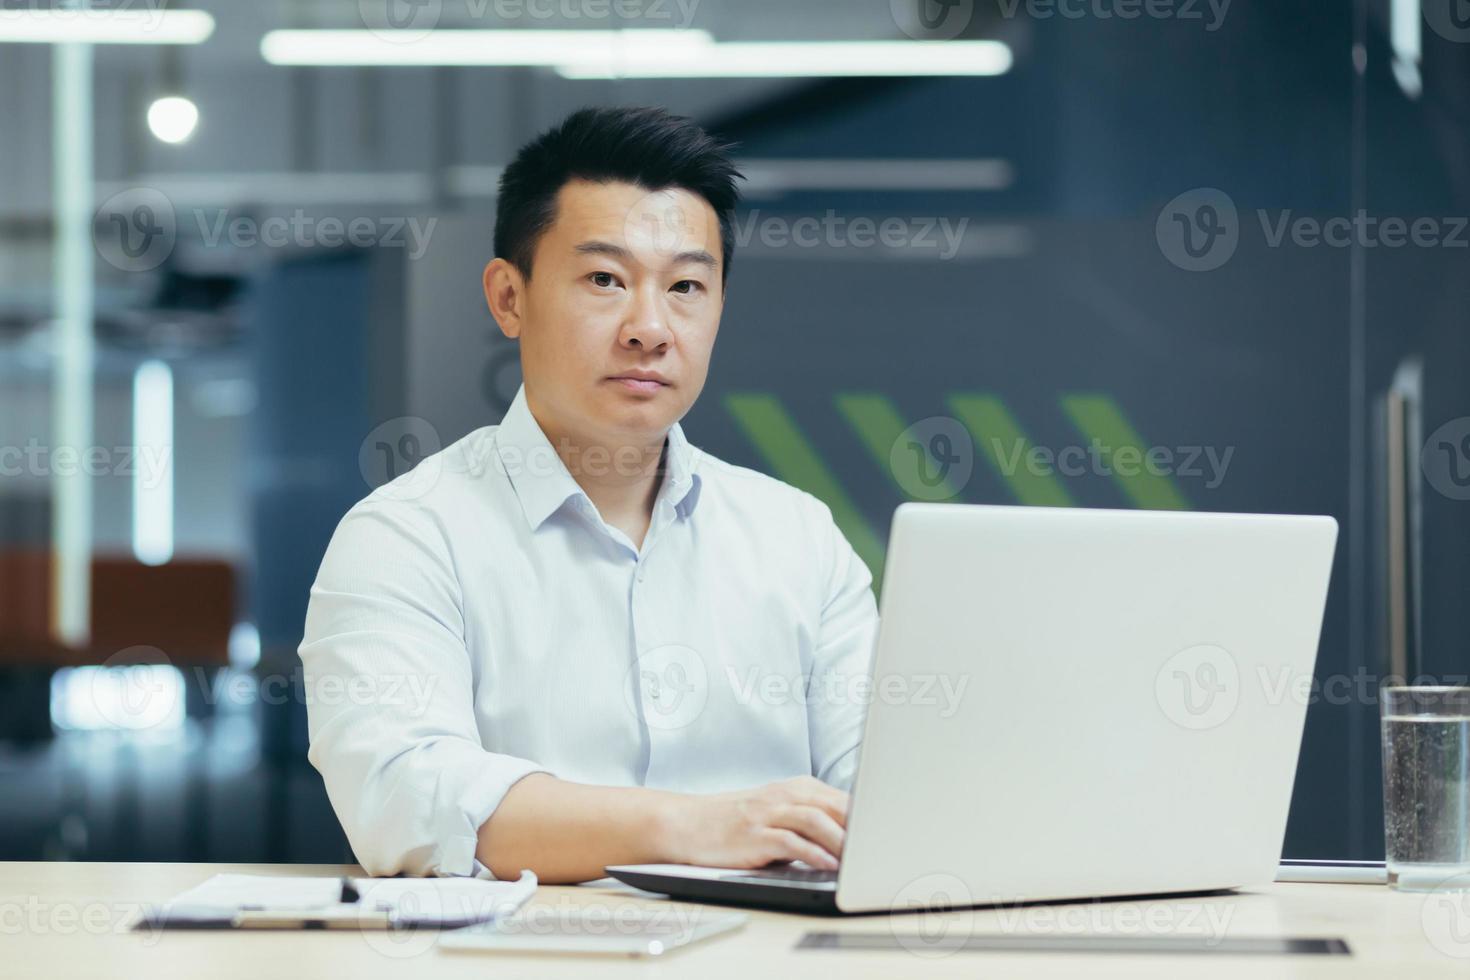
<point>71,920</point>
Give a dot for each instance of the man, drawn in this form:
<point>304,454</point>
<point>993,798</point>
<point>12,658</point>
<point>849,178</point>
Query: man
<point>605,646</point>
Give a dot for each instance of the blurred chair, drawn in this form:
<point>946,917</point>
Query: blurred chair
<point>185,608</point>
<point>180,613</point>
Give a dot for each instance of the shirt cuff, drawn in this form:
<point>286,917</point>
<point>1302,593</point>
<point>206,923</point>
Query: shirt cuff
<point>481,797</point>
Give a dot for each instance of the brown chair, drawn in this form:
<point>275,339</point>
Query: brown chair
<point>185,608</point>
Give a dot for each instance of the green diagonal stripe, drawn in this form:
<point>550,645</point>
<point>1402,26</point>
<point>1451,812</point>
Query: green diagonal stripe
<point>1100,418</point>
<point>879,425</point>
<point>792,457</point>
<point>1002,442</point>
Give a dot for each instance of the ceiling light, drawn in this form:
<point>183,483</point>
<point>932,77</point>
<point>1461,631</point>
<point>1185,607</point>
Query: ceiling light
<point>480,48</point>
<point>62,26</point>
<point>173,118</point>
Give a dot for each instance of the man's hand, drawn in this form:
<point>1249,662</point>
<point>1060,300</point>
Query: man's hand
<point>568,832</point>
<point>801,819</point>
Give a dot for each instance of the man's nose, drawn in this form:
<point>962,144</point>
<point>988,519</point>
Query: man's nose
<point>647,325</point>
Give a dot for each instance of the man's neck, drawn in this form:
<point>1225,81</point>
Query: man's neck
<point>621,479</point>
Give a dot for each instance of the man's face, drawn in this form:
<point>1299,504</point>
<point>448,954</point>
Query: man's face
<point>619,317</point>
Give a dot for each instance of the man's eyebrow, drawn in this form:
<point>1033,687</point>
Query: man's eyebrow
<point>604,248</point>
<point>698,255</point>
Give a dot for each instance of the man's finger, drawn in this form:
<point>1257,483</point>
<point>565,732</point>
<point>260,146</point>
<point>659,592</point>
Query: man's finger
<point>813,823</point>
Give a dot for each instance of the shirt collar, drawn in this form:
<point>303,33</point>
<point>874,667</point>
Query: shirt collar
<point>543,484</point>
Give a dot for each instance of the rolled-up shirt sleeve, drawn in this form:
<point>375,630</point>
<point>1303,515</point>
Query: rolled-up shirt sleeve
<point>843,655</point>
<point>390,693</point>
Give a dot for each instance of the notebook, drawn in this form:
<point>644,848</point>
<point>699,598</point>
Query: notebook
<point>242,901</point>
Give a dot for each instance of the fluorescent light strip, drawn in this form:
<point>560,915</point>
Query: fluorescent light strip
<point>62,26</point>
<point>637,53</point>
<point>777,176</point>
<point>480,48</point>
<point>153,476</point>
<point>791,59</point>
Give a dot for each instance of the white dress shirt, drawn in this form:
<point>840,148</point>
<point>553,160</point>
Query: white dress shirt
<point>476,620</point>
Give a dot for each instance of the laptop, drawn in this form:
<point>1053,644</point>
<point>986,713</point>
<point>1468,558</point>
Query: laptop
<point>1129,722</point>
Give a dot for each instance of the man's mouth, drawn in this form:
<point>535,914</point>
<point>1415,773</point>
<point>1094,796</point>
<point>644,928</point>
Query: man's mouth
<point>643,382</point>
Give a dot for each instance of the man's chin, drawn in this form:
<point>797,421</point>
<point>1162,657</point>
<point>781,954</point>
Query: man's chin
<point>636,414</point>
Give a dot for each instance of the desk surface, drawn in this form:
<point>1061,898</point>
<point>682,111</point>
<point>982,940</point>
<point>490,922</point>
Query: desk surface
<point>72,920</point>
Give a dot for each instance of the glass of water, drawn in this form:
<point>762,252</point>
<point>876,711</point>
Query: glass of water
<point>1426,784</point>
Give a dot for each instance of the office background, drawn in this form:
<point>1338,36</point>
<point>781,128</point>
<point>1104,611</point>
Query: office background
<point>1103,239</point>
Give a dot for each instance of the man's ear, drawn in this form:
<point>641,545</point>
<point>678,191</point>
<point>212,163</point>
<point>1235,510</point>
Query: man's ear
<point>505,294</point>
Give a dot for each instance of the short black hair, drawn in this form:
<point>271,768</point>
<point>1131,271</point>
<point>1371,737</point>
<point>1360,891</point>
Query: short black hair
<point>645,146</point>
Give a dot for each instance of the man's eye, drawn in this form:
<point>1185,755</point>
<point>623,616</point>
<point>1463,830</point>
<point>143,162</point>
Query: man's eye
<point>603,279</point>
<point>687,286</point>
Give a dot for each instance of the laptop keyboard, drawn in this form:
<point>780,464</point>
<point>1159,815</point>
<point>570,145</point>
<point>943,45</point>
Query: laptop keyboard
<point>788,875</point>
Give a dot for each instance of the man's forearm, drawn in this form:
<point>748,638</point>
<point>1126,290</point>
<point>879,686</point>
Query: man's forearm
<point>568,832</point>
